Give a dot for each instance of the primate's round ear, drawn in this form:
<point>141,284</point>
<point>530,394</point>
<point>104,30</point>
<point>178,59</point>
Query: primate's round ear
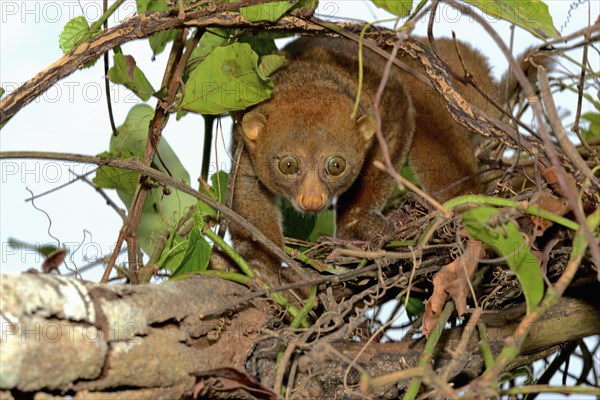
<point>366,126</point>
<point>253,123</point>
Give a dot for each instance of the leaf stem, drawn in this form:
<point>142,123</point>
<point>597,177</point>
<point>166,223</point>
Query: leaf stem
<point>228,276</point>
<point>494,201</point>
<point>247,270</point>
<point>308,306</point>
<point>96,25</point>
<point>239,260</point>
<point>427,356</point>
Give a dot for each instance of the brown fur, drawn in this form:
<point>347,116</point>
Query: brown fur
<point>308,117</point>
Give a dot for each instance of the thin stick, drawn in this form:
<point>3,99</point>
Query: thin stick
<point>57,188</point>
<point>108,200</point>
<point>566,185</point>
<point>580,87</point>
<point>111,117</point>
<point>558,129</point>
<point>434,337</point>
<point>133,164</point>
<point>134,28</point>
<point>553,294</point>
<point>461,349</point>
<point>389,167</point>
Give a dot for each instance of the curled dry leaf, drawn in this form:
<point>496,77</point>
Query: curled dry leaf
<point>232,379</point>
<point>130,64</point>
<point>453,279</point>
<point>546,201</point>
<point>551,176</point>
<point>543,255</point>
<point>53,260</point>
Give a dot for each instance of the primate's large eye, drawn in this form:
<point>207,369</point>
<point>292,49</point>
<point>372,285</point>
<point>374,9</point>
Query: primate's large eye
<point>289,165</point>
<point>335,165</point>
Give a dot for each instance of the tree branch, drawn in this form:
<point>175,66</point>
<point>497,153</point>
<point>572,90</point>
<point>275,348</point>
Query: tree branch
<point>85,338</point>
<point>134,164</point>
<point>136,27</point>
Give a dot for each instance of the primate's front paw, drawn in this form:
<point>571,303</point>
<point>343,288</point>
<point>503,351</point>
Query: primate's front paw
<point>360,225</point>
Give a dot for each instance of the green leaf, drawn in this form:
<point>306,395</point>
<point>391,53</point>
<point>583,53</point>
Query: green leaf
<point>523,373</point>
<point>180,114</point>
<point>75,32</point>
<point>2,91</point>
<point>226,80</point>
<point>400,8</point>
<point>580,242</point>
<point>210,40</point>
<point>161,211</point>
<point>134,132</point>
<point>142,5</point>
<point>262,42</point>
<point>269,64</point>
<point>203,213</point>
<point>592,131</point>
<point>414,307</point>
<point>196,256</point>
<point>151,6</point>
<point>172,257</point>
<point>295,224</point>
<point>269,12</point>
<point>125,72</point>
<point>407,173</point>
<point>158,41</point>
<point>116,178</point>
<point>324,226</point>
<point>217,192</point>
<point>531,15</point>
<point>306,226</point>
<point>495,228</point>
<point>219,185</point>
<point>308,4</point>
<point>45,250</point>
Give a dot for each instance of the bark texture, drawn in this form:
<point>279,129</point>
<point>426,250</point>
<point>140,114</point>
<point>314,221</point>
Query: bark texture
<point>64,336</point>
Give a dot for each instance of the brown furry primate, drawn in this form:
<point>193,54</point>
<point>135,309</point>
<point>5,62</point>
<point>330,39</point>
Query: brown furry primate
<point>303,145</point>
